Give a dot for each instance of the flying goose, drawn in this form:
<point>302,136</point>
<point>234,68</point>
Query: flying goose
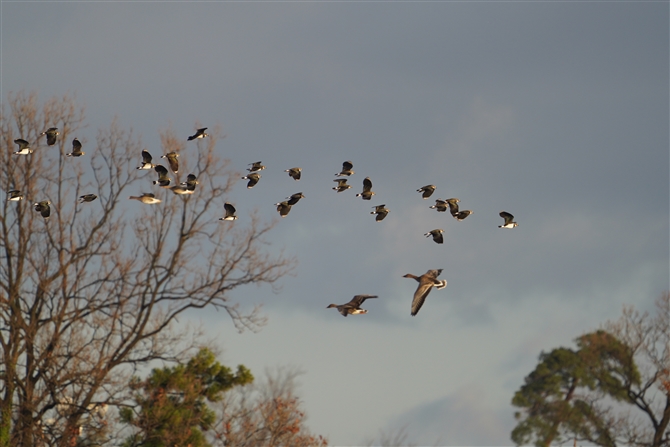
<point>253,178</point>
<point>283,208</point>
<point>44,209</point>
<point>295,198</point>
<point>230,212</point>
<point>381,211</point>
<point>52,134</point>
<point>14,195</point>
<point>427,191</point>
<point>256,166</point>
<point>87,198</point>
<point>172,161</point>
<point>76,149</point>
<point>147,198</point>
<point>163,179</point>
<point>426,282</point>
<point>353,307</point>
<point>146,161</point>
<point>437,235</point>
<point>294,173</point>
<point>341,185</point>
<point>24,147</point>
<point>200,133</point>
<point>367,189</point>
<point>347,169</point>
<point>508,220</point>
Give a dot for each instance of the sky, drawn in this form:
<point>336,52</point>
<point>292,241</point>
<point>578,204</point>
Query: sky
<point>554,111</point>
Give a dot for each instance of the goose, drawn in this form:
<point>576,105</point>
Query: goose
<point>353,307</point>
<point>295,198</point>
<point>14,195</point>
<point>163,179</point>
<point>44,209</point>
<point>253,178</point>
<point>147,198</point>
<point>341,185</point>
<point>52,134</point>
<point>256,166</point>
<point>24,147</point>
<point>76,149</point>
<point>427,191</point>
<point>426,282</point>
<point>87,198</point>
<point>283,208</point>
<point>294,173</point>
<point>172,161</point>
<point>367,189</point>
<point>509,218</point>
<point>146,161</point>
<point>381,211</point>
<point>230,212</point>
<point>199,134</point>
<point>437,235</point>
<point>347,169</point>
<point>440,205</point>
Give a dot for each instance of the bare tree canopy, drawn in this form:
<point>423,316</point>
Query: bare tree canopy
<point>90,291</point>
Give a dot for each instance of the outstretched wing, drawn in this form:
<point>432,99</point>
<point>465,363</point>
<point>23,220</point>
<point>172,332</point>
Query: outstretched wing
<point>507,216</point>
<point>357,300</point>
<point>146,156</point>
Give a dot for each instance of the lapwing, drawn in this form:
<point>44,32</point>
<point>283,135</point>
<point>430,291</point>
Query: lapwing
<point>462,214</point>
<point>509,220</point>
<point>295,198</point>
<point>44,209</point>
<point>24,147</point>
<point>341,185</point>
<point>147,198</point>
<point>163,179</point>
<point>347,169</point>
<point>230,212</point>
<point>256,166</point>
<point>87,198</point>
<point>353,307</point>
<point>453,205</point>
<point>427,191</point>
<point>381,211</point>
<point>437,235</point>
<point>253,178</point>
<point>426,282</point>
<point>199,134</point>
<point>172,161</point>
<point>440,205</point>
<point>294,173</point>
<point>52,135</point>
<point>367,189</point>
<point>76,149</point>
<point>14,195</point>
<point>283,208</point>
<point>191,181</point>
<point>146,161</point>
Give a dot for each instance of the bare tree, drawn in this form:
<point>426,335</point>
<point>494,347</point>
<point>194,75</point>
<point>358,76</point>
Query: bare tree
<point>92,292</point>
<point>268,413</point>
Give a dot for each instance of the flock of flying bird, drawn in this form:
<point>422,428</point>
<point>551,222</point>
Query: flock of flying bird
<point>426,281</point>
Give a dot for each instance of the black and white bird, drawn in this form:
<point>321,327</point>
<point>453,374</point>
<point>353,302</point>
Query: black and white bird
<point>52,135</point>
<point>440,205</point>
<point>426,282</point>
<point>191,181</point>
<point>426,191</point>
<point>230,212</point>
<point>341,185</point>
<point>294,173</point>
<point>347,169</point>
<point>76,149</point>
<point>353,307</point>
<point>14,195</point>
<point>256,166</point>
<point>283,208</point>
<point>381,211</point>
<point>24,147</point>
<point>147,198</point>
<point>172,161</point>
<point>253,178</point>
<point>146,161</point>
<point>367,189</point>
<point>295,198</point>
<point>199,134</point>
<point>180,190</point>
<point>163,179</point>
<point>453,205</point>
<point>44,209</point>
<point>462,214</point>
<point>437,235</point>
<point>509,220</point>
<point>87,198</point>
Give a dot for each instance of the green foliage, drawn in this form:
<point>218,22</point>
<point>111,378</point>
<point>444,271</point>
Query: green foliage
<point>172,402</point>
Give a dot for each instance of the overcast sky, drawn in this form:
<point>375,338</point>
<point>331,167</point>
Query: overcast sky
<point>554,111</point>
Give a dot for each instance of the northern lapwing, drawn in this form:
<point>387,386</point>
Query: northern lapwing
<point>341,185</point>
<point>283,208</point>
<point>381,211</point>
<point>367,189</point>
<point>295,198</point>
<point>76,149</point>
<point>24,147</point>
<point>52,135</point>
<point>353,307</point>
<point>44,209</point>
<point>14,195</point>
<point>253,178</point>
<point>294,173</point>
<point>462,214</point>
<point>426,191</point>
<point>256,166</point>
<point>509,220</point>
<point>163,179</point>
<point>437,235</point>
<point>87,198</point>
<point>172,161</point>
<point>146,161</point>
<point>191,181</point>
<point>199,134</point>
<point>347,169</point>
<point>426,282</point>
<point>440,205</point>
<point>230,212</point>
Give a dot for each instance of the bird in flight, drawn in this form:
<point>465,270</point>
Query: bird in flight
<point>353,307</point>
<point>509,220</point>
<point>426,282</point>
<point>199,134</point>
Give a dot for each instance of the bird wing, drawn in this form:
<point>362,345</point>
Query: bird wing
<point>367,184</point>
<point>23,144</point>
<point>76,146</point>
<point>174,163</point>
<point>507,216</point>
<point>420,295</point>
<point>162,172</point>
<point>347,166</point>
<point>230,209</point>
<point>146,156</point>
<point>357,300</point>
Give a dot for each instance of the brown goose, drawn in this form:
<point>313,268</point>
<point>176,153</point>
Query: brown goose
<point>353,307</point>
<point>147,198</point>
<point>426,282</point>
